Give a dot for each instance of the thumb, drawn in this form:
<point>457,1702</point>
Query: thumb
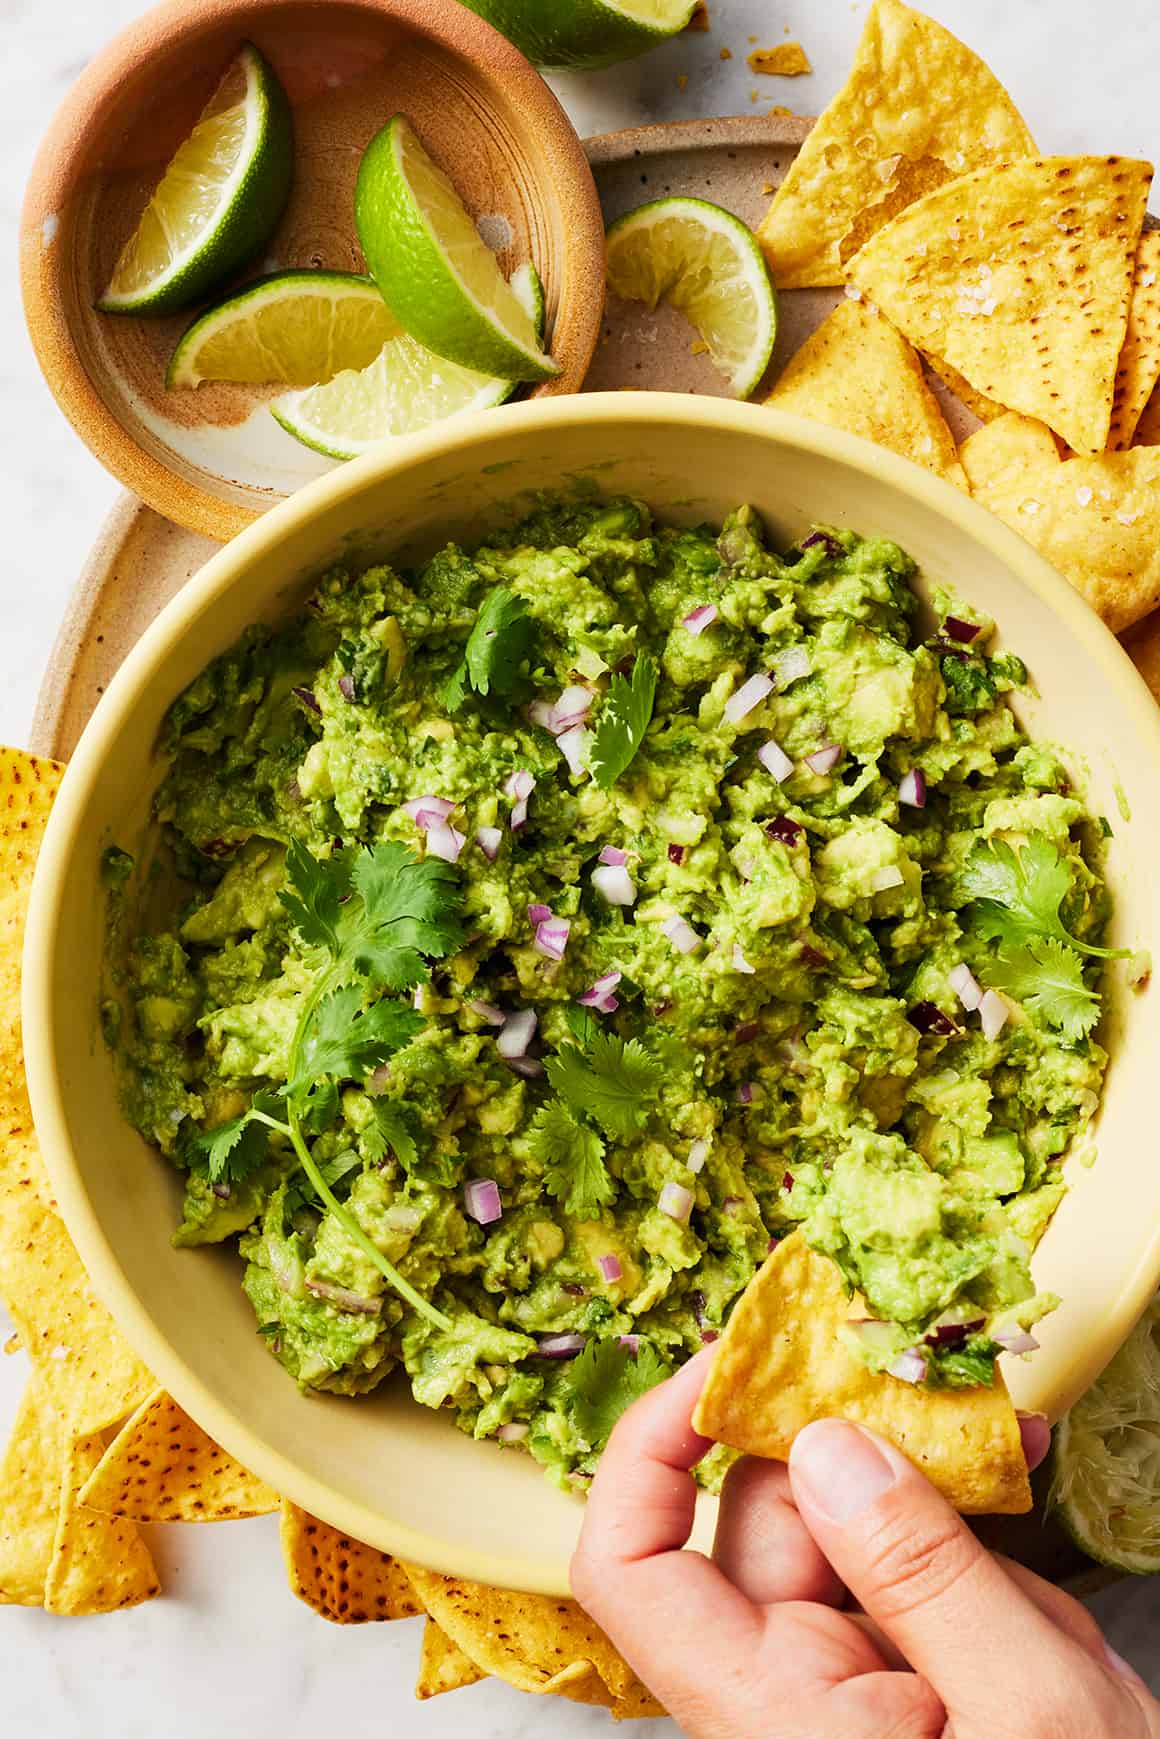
<point>918,1571</point>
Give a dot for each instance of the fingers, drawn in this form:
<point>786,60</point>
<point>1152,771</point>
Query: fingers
<point>762,1544</point>
<point>1066,1614</point>
<point>919,1573</point>
<point>1036,1435</point>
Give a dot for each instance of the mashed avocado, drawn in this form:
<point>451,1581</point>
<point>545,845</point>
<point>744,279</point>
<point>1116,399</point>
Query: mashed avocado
<point>614,898</point>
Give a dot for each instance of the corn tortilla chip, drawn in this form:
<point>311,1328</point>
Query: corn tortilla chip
<point>161,1467</point>
<point>443,1666</point>
<point>918,107</point>
<point>1139,365</point>
<point>1147,432</point>
<point>976,402</point>
<point>1098,521</point>
<point>28,785</point>
<point>99,1563</point>
<point>30,1481</point>
<point>342,1579</point>
<point>1020,277</point>
<point>781,1364</point>
<point>1004,451</point>
<point>857,373</point>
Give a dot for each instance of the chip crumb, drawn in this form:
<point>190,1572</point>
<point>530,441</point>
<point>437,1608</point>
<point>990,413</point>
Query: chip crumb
<point>780,109</point>
<point>753,95</point>
<point>767,187</point>
<point>726,54</point>
<point>699,347</point>
<point>700,18</point>
<point>682,81</point>
<point>787,60</point>
<point>12,1344</point>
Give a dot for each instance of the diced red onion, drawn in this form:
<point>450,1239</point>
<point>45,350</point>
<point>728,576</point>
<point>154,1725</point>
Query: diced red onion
<point>963,632</point>
<point>889,876</point>
<point>811,956</point>
<point>993,1012</point>
<point>791,665</point>
<point>745,1093</point>
<point>519,785</point>
<point>513,1432</point>
<point>551,938</point>
<point>630,1342</point>
<point>610,1268</point>
<point>489,840</point>
<point>573,705</point>
<point>775,1239</point>
<point>343,1299</point>
<point>699,619</point>
<point>708,1336</point>
<point>929,1018</point>
<point>785,829</point>
<point>698,1154</point>
<point>519,814</point>
<point>573,745</point>
<point>912,789</point>
<point>833,548</point>
<point>417,998</point>
<point>561,1346</point>
<point>379,1080</point>
<point>612,854</point>
<point>676,854</point>
<point>530,1068</point>
<point>909,1366</point>
<point>481,1199</point>
<point>1014,1340</point>
<point>787,1181</point>
<point>346,687</point>
<point>614,884</point>
<point>517,1033</point>
<point>308,698</point>
<point>543,712</point>
<point>222,1191</point>
<point>445,842</point>
<point>746,1031</point>
<point>740,963</point>
<point>825,759</point>
<point>538,913</point>
<point>965,986</point>
<point>775,760</point>
<point>489,1012</point>
<point>601,992</point>
<point>438,807</point>
<point>676,1201</point>
<point>951,1334</point>
<point>732,1206</point>
<point>749,695</point>
<point>682,935</point>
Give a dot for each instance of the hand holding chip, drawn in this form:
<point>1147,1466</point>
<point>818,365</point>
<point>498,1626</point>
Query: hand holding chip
<point>829,1582</point>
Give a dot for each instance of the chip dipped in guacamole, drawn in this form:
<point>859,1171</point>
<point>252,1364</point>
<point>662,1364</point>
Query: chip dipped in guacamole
<point>537,937</point>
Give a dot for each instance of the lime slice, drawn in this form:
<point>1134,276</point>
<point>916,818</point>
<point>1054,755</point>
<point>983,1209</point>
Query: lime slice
<point>293,328</point>
<point>582,34</point>
<point>406,388</point>
<point>219,200</point>
<point>705,262</point>
<point>1106,1458</point>
<point>440,280</point>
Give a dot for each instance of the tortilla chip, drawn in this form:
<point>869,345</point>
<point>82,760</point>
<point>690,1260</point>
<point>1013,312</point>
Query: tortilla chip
<point>1147,432</point>
<point>99,1563</point>
<point>857,373</point>
<point>781,1364</point>
<point>918,108</point>
<point>976,402</point>
<point>30,1479</point>
<point>1004,452</point>
<point>443,1666</point>
<point>1098,521</point>
<point>161,1467</point>
<point>342,1579</point>
<point>28,785</point>
<point>1139,365</point>
<point>787,60</point>
<point>1020,278</point>
<point>700,18</point>
<point>1142,644</point>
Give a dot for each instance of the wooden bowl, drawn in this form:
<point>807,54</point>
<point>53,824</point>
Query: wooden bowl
<point>213,458</point>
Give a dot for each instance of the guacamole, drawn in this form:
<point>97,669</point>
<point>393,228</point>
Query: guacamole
<point>539,936</point>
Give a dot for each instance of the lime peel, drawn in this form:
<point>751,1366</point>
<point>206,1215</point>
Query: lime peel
<point>585,34</point>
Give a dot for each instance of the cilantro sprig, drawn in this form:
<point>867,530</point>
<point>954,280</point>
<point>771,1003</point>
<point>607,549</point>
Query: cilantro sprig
<point>605,1381</point>
<point>1048,979</point>
<point>572,1155</point>
<point>379,915</point>
<point>497,646</point>
<point>603,1080</point>
<point>624,719</point>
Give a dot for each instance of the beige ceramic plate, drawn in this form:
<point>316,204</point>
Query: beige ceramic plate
<point>384,1469</point>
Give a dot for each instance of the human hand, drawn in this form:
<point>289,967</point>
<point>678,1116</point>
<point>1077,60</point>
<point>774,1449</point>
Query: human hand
<point>762,1642</point>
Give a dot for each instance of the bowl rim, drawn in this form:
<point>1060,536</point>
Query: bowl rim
<point>228,567</point>
<point>76,128</point>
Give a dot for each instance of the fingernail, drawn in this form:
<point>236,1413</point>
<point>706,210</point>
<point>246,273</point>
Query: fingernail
<point>1125,1669</point>
<point>843,1470</point>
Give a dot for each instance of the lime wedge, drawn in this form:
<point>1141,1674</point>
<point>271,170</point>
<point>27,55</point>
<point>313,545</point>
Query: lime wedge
<point>406,388</point>
<point>705,262</point>
<point>293,328</point>
<point>1106,1458</point>
<point>582,34</point>
<point>219,200</point>
<point>440,280</point>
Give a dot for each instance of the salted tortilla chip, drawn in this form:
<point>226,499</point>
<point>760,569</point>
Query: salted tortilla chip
<point>917,109</point>
<point>443,1666</point>
<point>99,1563</point>
<point>857,373</point>
<point>342,1579</point>
<point>28,785</point>
<point>976,402</point>
<point>1139,365</point>
<point>1004,452</point>
<point>782,1363</point>
<point>162,1467</point>
<point>30,1481</point>
<point>1096,520</point>
<point>1020,277</point>
<point>1147,433</point>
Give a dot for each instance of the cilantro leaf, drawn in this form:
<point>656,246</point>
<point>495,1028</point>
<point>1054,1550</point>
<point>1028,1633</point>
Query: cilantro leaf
<point>624,719</point>
<point>301,1193</point>
<point>345,1040</point>
<point>1017,895</point>
<point>234,1151</point>
<point>605,1380</point>
<point>390,1132</point>
<point>1047,978</point>
<point>314,898</point>
<point>582,1024</point>
<point>496,648</point>
<point>612,1081</point>
<point>573,1160</point>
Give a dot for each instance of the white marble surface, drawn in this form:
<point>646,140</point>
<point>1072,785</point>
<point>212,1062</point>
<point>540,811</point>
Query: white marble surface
<point>228,1650</point>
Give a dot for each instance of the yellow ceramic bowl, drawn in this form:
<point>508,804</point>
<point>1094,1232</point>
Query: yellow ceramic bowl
<point>382,1468</point>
